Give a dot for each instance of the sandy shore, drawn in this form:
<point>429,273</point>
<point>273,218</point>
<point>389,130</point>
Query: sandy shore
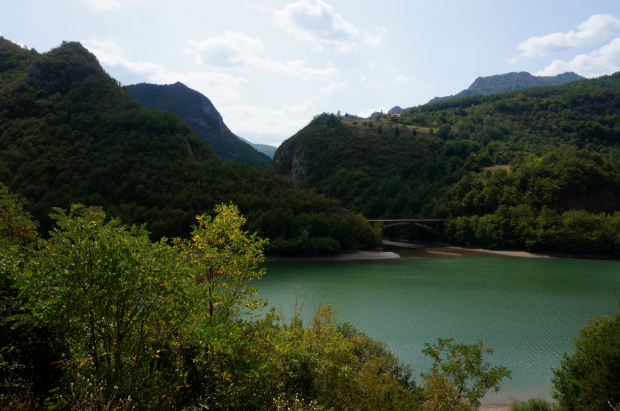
<point>459,251</point>
<point>495,407</point>
<point>360,255</point>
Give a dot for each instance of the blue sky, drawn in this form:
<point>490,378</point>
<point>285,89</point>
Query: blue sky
<point>269,66</point>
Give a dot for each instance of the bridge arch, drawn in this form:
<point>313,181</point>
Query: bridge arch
<point>431,225</point>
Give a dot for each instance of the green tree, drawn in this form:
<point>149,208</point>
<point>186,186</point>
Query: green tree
<point>133,311</point>
<point>590,377</point>
<point>224,258</point>
<point>463,370</point>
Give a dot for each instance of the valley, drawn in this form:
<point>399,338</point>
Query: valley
<point>145,244</point>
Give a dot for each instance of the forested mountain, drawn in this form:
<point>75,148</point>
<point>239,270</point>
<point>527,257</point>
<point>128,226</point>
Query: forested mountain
<point>545,159</point>
<point>70,134</point>
<point>197,110</point>
<point>263,148</point>
<point>501,83</point>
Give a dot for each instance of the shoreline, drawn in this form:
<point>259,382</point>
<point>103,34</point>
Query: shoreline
<point>435,250</point>
<point>359,255</point>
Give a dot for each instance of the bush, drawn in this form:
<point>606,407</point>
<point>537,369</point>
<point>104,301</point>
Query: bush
<point>533,404</point>
<point>590,377</point>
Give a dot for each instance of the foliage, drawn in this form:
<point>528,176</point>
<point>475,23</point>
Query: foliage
<point>532,404</point>
<point>27,352</point>
<point>336,370</point>
<point>131,311</point>
<point>223,258</point>
<point>589,378</point>
<point>461,368</point>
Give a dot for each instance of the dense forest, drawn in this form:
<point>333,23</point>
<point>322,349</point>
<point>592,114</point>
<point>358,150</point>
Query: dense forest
<point>197,110</point>
<point>70,134</point>
<point>535,168</point>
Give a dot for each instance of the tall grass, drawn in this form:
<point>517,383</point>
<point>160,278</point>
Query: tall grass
<point>533,404</point>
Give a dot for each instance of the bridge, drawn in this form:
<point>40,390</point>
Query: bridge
<point>431,224</point>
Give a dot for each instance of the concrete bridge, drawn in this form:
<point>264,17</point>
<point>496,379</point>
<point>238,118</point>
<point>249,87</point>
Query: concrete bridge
<point>430,224</point>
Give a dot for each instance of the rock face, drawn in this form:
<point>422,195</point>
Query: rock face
<point>294,165</point>
<point>199,112</point>
<point>299,170</point>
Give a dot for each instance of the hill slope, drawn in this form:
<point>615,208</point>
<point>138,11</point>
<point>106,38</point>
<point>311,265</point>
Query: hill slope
<point>70,134</point>
<point>197,110</point>
<point>501,83</point>
<point>517,153</point>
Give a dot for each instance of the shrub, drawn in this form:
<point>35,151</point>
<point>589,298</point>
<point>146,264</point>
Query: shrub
<point>590,377</point>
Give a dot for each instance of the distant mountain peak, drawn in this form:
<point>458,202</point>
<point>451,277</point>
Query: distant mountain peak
<point>501,83</point>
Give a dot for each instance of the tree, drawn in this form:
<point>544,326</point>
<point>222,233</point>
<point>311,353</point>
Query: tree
<point>397,130</point>
<point>380,130</point>
<point>459,368</point>
<point>132,311</point>
<point>224,259</point>
<point>590,377</point>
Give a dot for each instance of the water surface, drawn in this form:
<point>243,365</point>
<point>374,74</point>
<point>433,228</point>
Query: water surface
<point>527,310</point>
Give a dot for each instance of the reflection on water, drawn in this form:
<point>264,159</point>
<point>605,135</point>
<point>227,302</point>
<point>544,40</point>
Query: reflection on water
<point>527,310</point>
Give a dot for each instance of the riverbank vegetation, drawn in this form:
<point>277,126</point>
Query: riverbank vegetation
<point>99,316</point>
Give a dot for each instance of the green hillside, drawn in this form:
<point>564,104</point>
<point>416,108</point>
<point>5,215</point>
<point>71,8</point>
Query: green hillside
<point>70,134</point>
<point>538,152</point>
<point>197,110</point>
<point>501,83</point>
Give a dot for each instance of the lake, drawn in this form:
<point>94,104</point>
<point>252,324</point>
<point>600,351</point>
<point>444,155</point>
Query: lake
<point>527,310</point>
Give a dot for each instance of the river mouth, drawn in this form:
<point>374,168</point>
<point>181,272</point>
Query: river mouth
<point>528,310</point>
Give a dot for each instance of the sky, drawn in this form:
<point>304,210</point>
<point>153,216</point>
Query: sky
<point>269,66</point>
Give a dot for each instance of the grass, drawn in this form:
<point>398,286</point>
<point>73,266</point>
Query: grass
<point>385,125</point>
<point>533,404</point>
<point>495,168</point>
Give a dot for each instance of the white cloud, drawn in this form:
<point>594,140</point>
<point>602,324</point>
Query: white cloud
<point>241,52</point>
<point>401,78</point>
<point>327,90</point>
<point>219,87</point>
<point>255,6</point>
<point>599,62</point>
<point>106,5</point>
<point>317,23</point>
<point>248,119</point>
<point>367,113</point>
<point>377,40</point>
<point>597,28</point>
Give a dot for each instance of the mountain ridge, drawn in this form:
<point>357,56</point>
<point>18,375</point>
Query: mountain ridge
<point>200,113</point>
<point>500,83</point>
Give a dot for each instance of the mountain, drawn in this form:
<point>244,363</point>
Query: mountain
<point>197,110</point>
<point>501,83</point>
<point>70,134</point>
<point>263,148</point>
<point>535,168</point>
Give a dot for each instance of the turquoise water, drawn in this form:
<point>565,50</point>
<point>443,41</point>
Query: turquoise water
<point>527,310</point>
